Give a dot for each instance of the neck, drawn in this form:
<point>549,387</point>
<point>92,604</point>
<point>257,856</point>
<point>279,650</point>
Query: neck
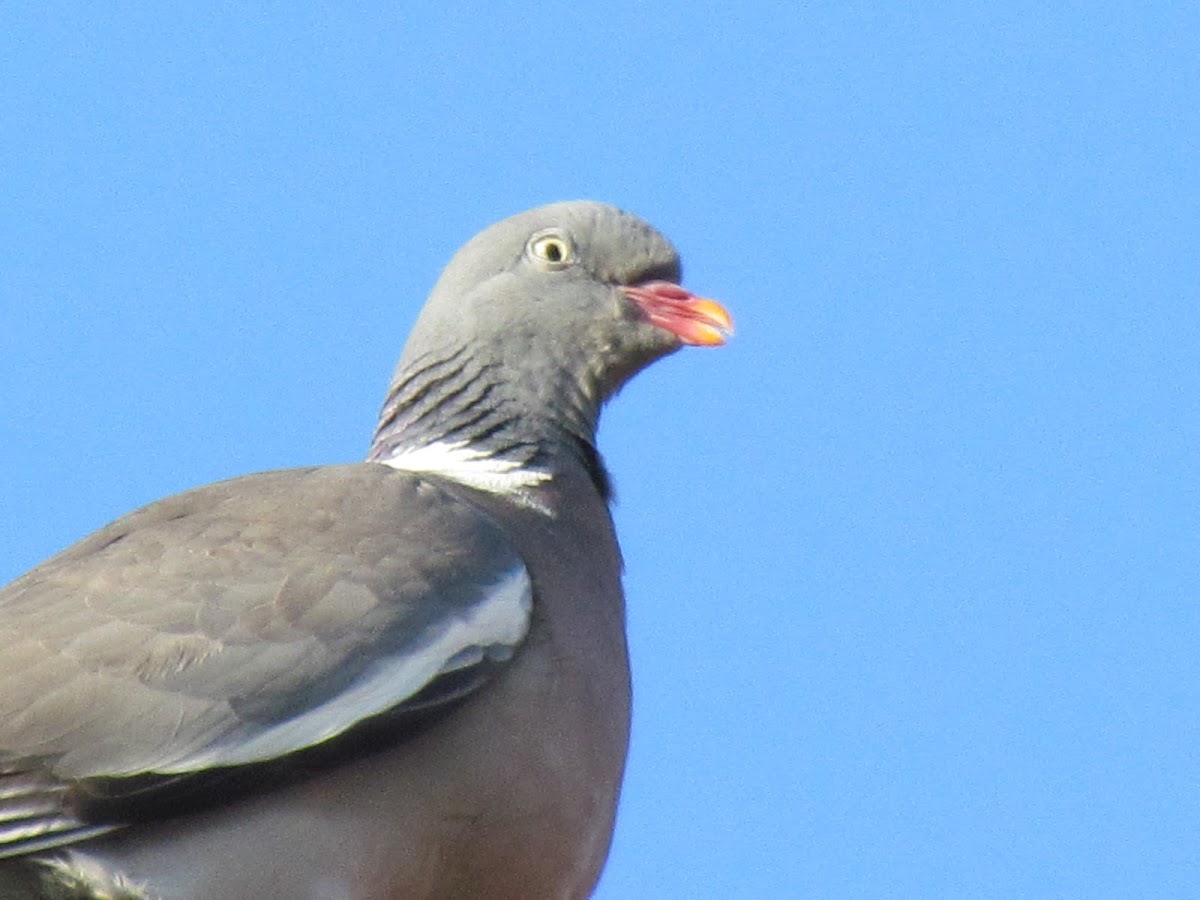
<point>451,415</point>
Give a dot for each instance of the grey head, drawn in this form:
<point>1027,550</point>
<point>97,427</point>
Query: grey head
<point>534,323</point>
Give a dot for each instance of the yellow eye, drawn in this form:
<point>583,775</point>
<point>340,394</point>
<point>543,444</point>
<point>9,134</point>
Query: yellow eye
<point>552,250</point>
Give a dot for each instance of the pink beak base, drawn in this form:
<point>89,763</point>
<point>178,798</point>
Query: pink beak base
<point>696,321</point>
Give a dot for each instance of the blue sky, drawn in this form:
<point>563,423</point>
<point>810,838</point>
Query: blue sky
<point>912,563</point>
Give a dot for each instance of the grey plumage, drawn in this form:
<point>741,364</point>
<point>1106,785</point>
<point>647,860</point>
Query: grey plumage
<point>400,678</point>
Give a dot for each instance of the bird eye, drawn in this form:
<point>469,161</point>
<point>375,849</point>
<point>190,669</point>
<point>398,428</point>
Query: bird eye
<point>553,251</point>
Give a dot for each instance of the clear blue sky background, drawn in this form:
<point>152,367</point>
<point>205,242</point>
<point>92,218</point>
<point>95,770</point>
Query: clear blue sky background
<point>912,563</point>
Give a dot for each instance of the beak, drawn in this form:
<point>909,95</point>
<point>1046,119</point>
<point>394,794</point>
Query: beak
<point>694,320</point>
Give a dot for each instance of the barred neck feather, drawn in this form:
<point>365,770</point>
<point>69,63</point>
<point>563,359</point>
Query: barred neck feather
<point>454,415</point>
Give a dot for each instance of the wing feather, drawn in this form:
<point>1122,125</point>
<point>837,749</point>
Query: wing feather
<point>245,621</point>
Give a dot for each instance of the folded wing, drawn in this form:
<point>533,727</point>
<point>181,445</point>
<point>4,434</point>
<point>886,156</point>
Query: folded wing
<point>239,623</point>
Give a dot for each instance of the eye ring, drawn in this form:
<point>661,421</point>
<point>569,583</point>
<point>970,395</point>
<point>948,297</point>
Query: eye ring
<point>551,249</point>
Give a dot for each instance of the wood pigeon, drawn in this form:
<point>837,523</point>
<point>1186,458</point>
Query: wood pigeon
<point>401,678</point>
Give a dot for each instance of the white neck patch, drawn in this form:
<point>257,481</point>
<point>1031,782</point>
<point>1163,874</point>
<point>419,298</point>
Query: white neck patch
<point>458,461</point>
